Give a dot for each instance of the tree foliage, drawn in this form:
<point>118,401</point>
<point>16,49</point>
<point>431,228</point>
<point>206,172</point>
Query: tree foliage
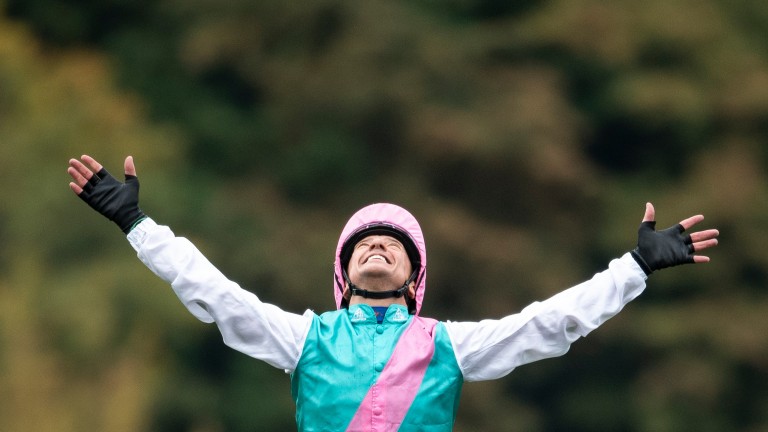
<point>525,136</point>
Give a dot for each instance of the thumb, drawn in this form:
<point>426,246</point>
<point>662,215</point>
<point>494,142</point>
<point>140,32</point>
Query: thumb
<point>130,168</point>
<point>650,213</point>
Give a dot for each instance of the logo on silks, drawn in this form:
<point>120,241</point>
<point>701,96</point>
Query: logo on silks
<point>358,316</point>
<point>399,316</point>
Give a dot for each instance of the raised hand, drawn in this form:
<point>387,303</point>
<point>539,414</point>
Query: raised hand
<point>118,202</point>
<point>670,247</point>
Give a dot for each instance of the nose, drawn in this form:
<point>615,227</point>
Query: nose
<point>377,242</point>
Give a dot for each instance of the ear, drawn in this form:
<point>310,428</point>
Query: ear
<point>412,290</point>
<point>347,294</point>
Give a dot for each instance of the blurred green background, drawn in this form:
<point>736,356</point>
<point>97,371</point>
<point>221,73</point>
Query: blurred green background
<point>526,136</point>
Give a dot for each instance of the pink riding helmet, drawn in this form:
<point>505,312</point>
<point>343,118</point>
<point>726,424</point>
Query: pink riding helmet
<point>388,219</point>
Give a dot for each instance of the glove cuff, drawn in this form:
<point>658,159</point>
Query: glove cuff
<point>136,222</point>
<point>641,262</point>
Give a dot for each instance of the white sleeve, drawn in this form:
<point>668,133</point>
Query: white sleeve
<point>491,349</point>
<point>257,329</point>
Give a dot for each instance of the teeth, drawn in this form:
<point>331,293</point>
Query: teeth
<point>376,257</point>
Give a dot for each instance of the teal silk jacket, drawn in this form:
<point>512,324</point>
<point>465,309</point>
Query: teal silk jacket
<point>341,380</point>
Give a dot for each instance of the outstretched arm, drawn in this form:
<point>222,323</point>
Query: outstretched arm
<point>118,202</point>
<point>246,323</point>
<point>490,349</point>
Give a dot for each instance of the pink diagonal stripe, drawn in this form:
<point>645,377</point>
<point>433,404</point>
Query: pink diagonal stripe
<point>387,401</point>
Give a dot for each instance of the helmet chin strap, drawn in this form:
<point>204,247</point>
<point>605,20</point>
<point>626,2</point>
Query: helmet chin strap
<point>400,292</point>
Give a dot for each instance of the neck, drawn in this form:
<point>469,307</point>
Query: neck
<point>378,285</point>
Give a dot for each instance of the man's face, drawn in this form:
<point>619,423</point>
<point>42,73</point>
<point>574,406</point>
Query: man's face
<point>379,262</point>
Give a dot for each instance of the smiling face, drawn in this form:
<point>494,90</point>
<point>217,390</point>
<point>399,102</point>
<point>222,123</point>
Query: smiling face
<point>386,220</point>
<point>379,263</point>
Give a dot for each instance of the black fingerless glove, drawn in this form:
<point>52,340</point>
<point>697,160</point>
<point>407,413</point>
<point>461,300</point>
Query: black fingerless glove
<point>661,249</point>
<point>118,202</point>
